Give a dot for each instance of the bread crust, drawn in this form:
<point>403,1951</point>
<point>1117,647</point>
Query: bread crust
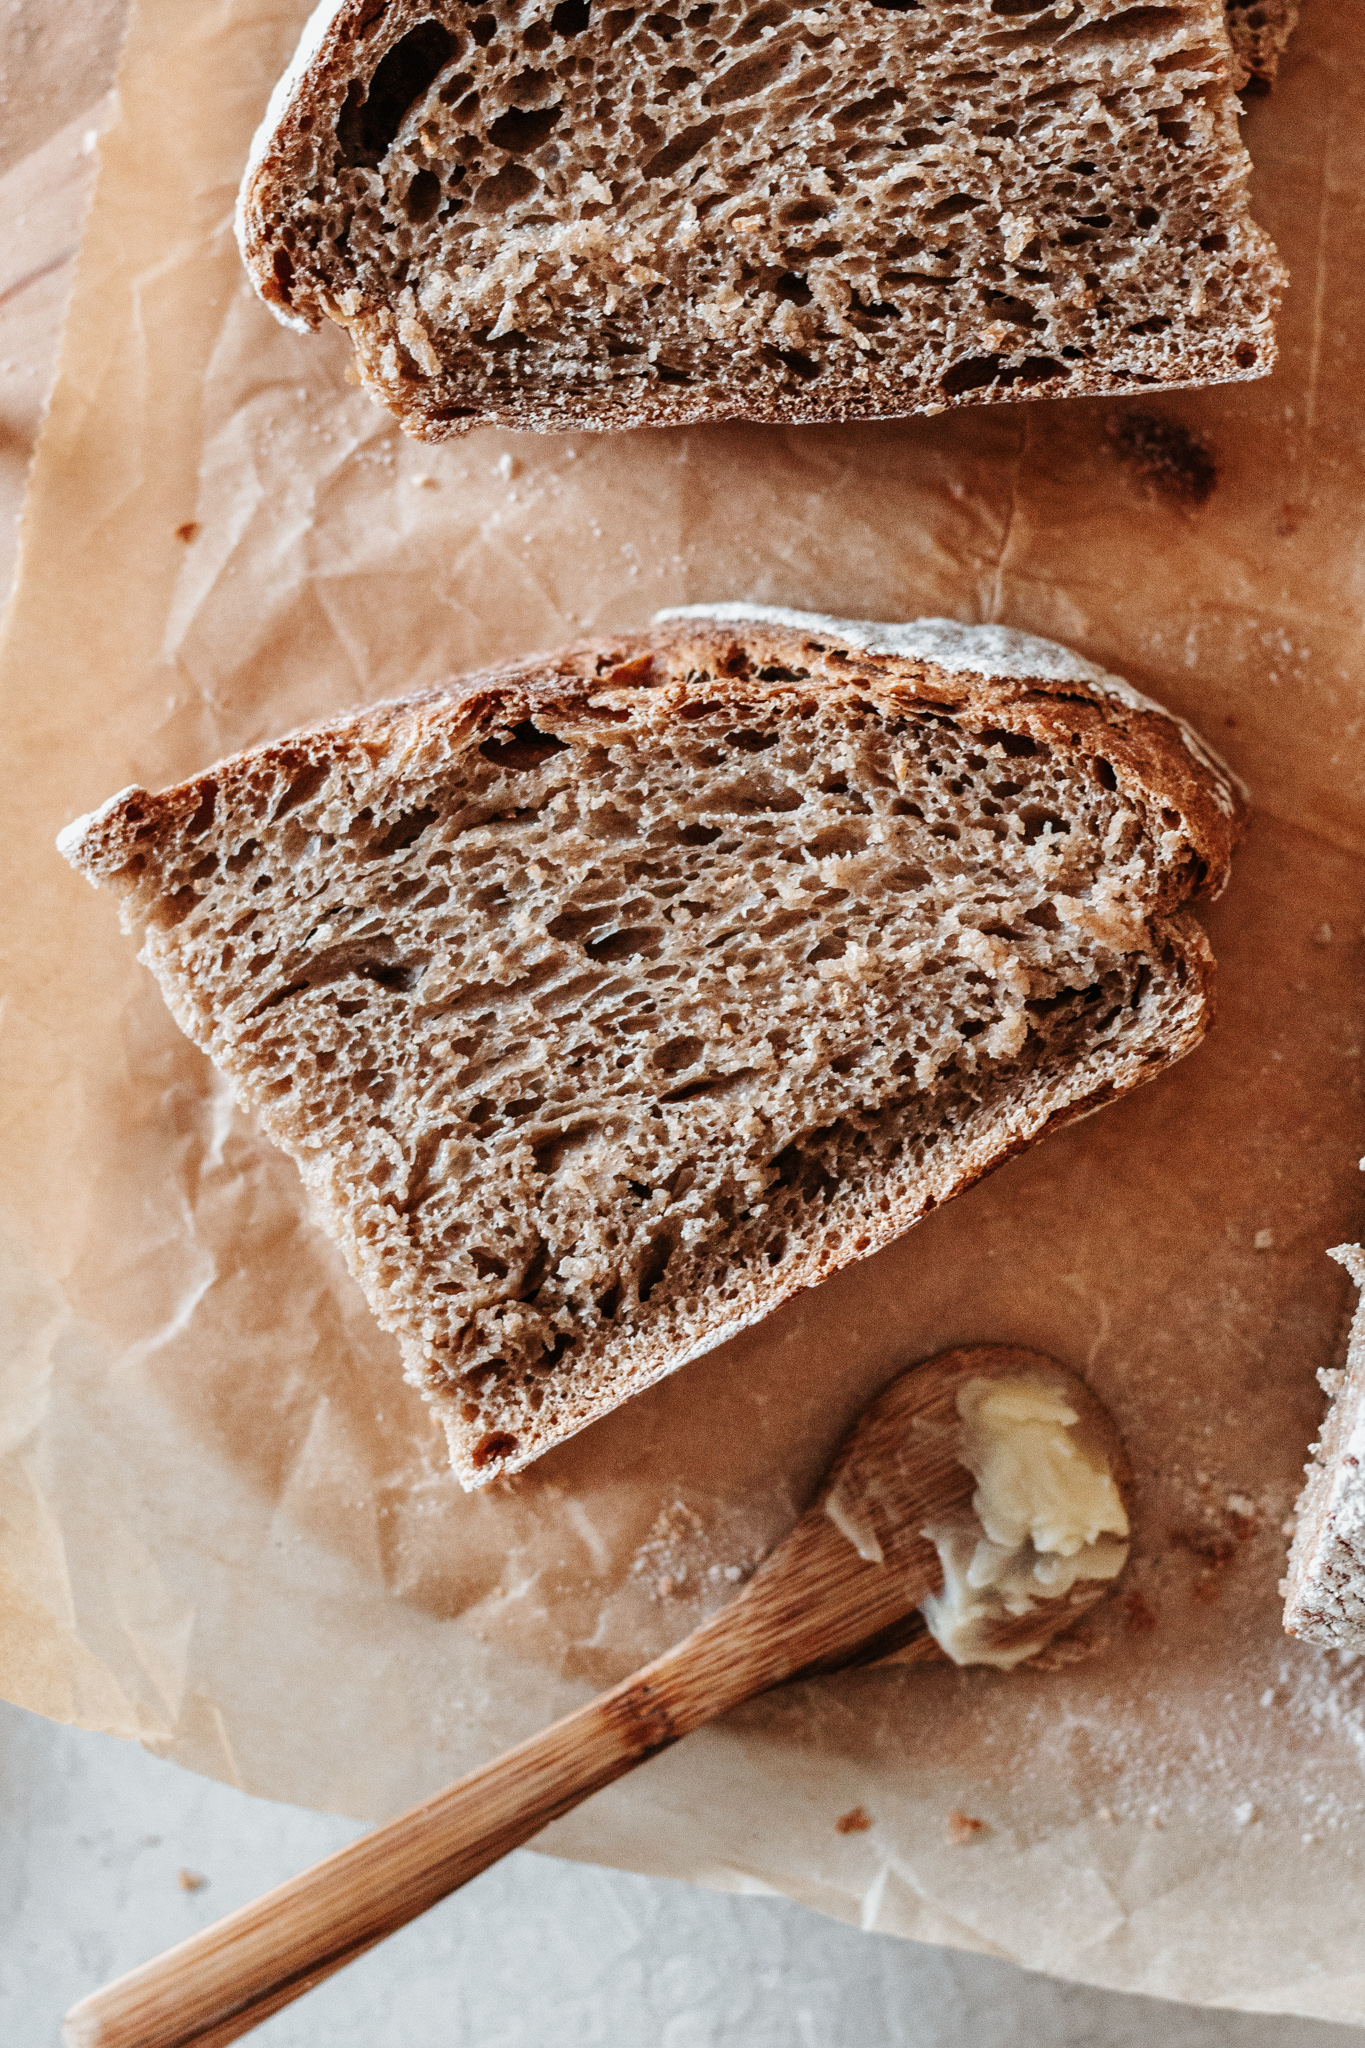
<point>134,842</point>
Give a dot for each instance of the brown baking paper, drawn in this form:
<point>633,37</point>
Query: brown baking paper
<point>227,1527</point>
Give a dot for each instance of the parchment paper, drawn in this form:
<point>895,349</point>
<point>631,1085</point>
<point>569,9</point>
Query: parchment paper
<point>225,1525</point>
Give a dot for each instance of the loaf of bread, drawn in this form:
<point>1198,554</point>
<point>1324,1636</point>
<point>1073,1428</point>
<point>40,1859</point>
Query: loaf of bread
<point>1324,1592</point>
<point>607,1000</point>
<point>609,216</point>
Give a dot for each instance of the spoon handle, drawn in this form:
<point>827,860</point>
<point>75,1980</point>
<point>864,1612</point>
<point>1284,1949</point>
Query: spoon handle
<point>224,1981</point>
<point>809,1607</point>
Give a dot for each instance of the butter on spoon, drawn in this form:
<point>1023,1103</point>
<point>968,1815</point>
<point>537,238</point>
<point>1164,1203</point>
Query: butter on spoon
<point>1046,1532</point>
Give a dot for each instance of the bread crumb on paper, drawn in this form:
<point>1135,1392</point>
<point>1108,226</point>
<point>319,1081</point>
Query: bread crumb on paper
<point>856,1821</point>
<point>190,1880</point>
<point>963,1828</point>
<point>1137,1614</point>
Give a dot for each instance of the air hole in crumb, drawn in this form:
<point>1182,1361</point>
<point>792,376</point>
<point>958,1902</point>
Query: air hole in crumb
<point>1013,743</point>
<point>301,786</point>
<point>655,1264</point>
<point>202,817</point>
<point>422,197</point>
<point>370,119</point>
<point>522,129</point>
<point>498,1444</point>
<point>525,747</point>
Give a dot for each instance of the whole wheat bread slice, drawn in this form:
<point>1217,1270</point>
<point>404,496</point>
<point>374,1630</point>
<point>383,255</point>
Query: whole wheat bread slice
<point>607,1000</point>
<point>1324,1591</point>
<point>586,215</point>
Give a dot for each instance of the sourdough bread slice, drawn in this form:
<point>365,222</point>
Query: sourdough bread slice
<point>1324,1592</point>
<point>608,999</point>
<point>584,215</point>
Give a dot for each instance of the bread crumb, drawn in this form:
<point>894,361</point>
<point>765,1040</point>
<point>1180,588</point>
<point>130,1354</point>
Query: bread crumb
<point>964,1827</point>
<point>1246,1813</point>
<point>190,1880</point>
<point>188,531</point>
<point>856,1821</point>
<point>1137,1614</point>
<point>1264,1241</point>
<point>1164,456</point>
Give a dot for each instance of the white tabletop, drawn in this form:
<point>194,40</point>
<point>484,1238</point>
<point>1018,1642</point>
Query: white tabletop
<point>108,1855</point>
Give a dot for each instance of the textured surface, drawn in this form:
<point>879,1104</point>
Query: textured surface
<point>1325,1588</point>
<point>537,1954</point>
<point>610,217</point>
<point>607,1003</point>
<point>207,1357</point>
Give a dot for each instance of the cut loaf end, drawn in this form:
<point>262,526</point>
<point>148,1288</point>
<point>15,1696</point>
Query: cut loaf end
<point>582,215</point>
<point>607,1000</point>
<point>1324,1592</point>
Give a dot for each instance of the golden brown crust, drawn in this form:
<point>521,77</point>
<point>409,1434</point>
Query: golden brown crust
<point>1147,743</point>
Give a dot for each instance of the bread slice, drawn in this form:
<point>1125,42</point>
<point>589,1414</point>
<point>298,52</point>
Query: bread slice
<point>606,1000</point>
<point>1324,1592</point>
<point>1260,32</point>
<point>595,215</point>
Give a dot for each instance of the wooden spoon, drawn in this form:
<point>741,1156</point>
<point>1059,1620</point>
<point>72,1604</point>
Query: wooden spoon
<point>816,1605</point>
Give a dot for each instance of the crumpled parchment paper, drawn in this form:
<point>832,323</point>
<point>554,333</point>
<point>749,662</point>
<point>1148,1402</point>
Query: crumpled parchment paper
<point>226,1526</point>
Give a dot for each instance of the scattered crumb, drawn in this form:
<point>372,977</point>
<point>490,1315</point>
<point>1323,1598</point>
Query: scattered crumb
<point>1240,1504</point>
<point>424,482</point>
<point>190,1880</point>
<point>1268,1697</point>
<point>856,1821</point>
<point>1107,1813</point>
<point>1246,1813</point>
<point>1323,935</point>
<point>1074,1647</point>
<point>964,1827</point>
<point>1164,456</point>
<point>188,531</point>
<point>1264,1241</point>
<point>507,467</point>
<point>1136,1613</point>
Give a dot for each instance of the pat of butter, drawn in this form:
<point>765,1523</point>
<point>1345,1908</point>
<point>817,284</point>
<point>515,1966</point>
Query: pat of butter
<point>1045,1517</point>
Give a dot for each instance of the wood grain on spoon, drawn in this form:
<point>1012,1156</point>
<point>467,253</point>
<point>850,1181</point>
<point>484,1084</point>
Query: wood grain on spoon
<point>814,1606</point>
